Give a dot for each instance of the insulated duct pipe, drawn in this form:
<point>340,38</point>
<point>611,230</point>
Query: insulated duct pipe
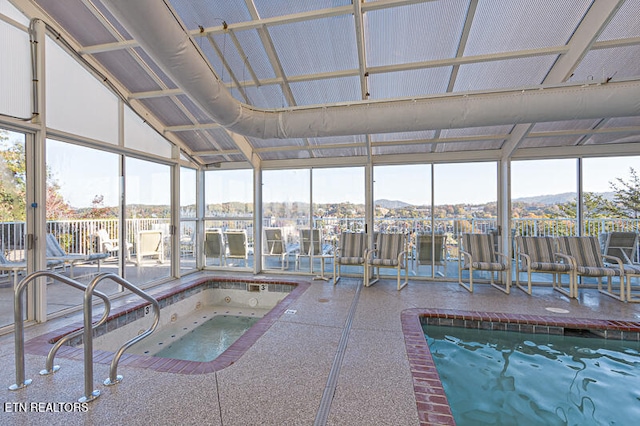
<point>160,33</point>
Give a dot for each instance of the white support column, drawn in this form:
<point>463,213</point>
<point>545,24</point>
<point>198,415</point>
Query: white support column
<point>257,219</point>
<point>504,212</point>
<point>36,198</point>
<point>579,199</point>
<point>175,227</point>
<point>200,205</point>
<point>368,202</point>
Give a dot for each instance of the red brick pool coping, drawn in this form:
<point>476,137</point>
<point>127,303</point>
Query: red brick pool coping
<point>431,401</point>
<point>42,344</point>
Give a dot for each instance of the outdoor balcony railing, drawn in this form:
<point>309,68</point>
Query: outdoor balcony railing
<point>76,236</point>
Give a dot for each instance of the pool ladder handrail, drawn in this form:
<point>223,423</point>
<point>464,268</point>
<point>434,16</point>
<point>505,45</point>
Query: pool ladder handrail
<point>21,382</point>
<point>113,378</point>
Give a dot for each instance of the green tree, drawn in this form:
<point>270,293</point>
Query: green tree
<point>12,180</point>
<point>627,196</point>
<point>595,206</point>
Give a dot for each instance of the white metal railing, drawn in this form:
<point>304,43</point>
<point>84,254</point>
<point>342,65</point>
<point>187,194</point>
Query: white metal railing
<point>75,236</point>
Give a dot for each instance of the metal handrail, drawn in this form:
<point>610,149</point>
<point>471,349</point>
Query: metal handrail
<point>88,343</point>
<point>19,324</point>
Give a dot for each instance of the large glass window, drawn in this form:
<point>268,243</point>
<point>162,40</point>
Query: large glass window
<point>543,197</point>
<point>13,181</point>
<point>611,188</point>
<point>402,203</point>
<point>228,202</point>
<point>465,201</point>
<point>285,204</point>
<point>83,199</point>
<point>188,215</point>
<point>338,205</point>
<point>148,218</point>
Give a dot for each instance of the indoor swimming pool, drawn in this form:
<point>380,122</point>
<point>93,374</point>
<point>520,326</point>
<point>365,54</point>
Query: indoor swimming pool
<point>503,377</point>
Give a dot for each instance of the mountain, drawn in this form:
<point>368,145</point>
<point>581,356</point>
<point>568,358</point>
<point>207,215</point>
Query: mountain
<point>391,204</point>
<point>551,199</point>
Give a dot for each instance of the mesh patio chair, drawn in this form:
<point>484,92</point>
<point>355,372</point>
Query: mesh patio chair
<point>111,246</point>
<point>275,246</point>
<point>624,245</point>
<point>214,246</point>
<point>237,245</point>
<point>56,252</point>
<point>431,251</point>
<point>150,243</point>
<point>390,252</point>
<point>478,253</point>
<point>588,261</point>
<point>540,255</point>
<point>16,267</point>
<point>351,251</point>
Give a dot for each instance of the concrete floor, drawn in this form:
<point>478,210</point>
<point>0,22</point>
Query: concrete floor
<point>340,335</point>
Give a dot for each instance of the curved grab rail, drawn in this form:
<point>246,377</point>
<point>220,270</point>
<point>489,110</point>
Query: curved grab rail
<point>19,325</point>
<point>88,344</point>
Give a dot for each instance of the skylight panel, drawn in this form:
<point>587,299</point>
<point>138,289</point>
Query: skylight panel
<point>616,63</point>
<point>167,111</point>
<point>317,46</point>
<point>504,26</point>
<point>222,138</point>
<point>512,73</point>
<point>78,21</point>
<point>564,125</point>
<point>157,71</point>
<point>402,149</point>
<point>625,22</point>
<point>211,13</point>
<point>414,33</point>
<point>326,91</point>
<point>125,69</point>
<point>351,139</point>
<point>476,131</point>
<point>550,142</point>
<point>194,110</point>
<point>272,8</point>
<point>403,136</point>
<point>470,146</point>
<point>266,96</point>
<point>271,143</point>
<point>255,55</point>
<point>411,83</point>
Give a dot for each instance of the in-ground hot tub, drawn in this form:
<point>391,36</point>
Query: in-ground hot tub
<point>183,309</point>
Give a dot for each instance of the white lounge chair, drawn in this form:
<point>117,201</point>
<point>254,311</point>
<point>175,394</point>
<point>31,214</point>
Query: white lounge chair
<point>56,252</point>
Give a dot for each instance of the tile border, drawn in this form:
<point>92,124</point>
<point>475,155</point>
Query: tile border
<point>431,400</point>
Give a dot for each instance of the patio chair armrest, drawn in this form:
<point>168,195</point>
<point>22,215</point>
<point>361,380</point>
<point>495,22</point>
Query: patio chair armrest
<point>523,256</point>
<point>465,253</point>
<point>566,257</point>
<point>504,256</point>
<point>614,260</point>
<point>367,253</point>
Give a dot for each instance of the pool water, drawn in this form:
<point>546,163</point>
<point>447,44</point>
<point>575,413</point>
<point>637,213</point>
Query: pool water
<point>210,339</point>
<point>509,378</point>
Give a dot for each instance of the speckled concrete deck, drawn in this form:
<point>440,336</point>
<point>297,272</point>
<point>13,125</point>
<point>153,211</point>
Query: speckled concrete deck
<point>281,378</point>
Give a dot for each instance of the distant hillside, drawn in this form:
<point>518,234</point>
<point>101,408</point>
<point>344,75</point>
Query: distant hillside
<point>551,199</point>
<point>391,204</point>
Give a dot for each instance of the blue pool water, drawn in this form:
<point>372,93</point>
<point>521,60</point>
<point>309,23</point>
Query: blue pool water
<point>210,339</point>
<point>507,378</point>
